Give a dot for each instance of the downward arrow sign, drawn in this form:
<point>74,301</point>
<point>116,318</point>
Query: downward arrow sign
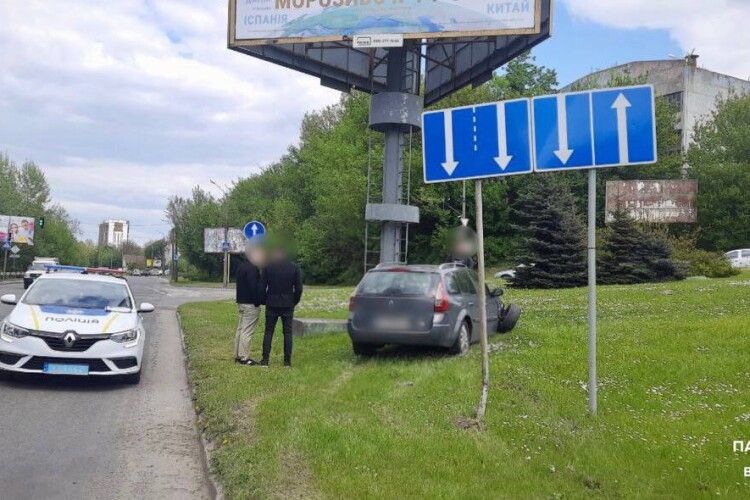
<point>622,104</point>
<point>563,153</point>
<point>450,164</point>
<point>502,158</point>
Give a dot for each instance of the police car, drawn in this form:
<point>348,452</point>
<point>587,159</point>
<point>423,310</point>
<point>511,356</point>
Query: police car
<point>72,321</point>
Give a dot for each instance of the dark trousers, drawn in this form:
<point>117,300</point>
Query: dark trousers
<point>272,315</point>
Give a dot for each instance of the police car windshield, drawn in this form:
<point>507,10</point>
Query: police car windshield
<point>78,294</point>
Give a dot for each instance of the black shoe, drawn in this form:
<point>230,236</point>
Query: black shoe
<point>288,364</point>
<point>250,362</point>
<point>264,362</point>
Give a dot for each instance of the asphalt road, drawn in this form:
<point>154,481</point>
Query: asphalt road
<point>99,438</point>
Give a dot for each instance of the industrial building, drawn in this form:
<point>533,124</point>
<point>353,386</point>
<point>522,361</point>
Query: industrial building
<point>692,89</point>
<point>113,233</point>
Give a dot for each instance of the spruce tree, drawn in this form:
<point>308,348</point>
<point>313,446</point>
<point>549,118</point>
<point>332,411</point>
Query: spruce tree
<point>552,249</point>
<point>631,254</point>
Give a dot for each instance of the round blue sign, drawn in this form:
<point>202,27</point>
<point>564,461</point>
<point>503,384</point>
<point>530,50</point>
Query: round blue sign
<point>254,231</point>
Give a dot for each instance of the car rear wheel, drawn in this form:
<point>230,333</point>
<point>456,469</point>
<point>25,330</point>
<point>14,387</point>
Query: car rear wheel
<point>509,318</point>
<point>133,378</point>
<point>463,341</point>
<point>361,349</point>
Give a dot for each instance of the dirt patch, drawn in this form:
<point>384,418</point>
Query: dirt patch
<point>244,417</point>
<point>468,424</point>
<point>295,478</point>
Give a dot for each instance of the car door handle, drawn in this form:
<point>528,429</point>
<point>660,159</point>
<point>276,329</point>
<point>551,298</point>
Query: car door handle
<point>471,303</point>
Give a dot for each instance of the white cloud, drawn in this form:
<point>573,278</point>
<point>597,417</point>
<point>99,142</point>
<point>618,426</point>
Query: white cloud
<point>124,103</point>
<point>716,29</point>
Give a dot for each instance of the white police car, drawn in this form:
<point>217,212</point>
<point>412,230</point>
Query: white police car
<point>74,324</point>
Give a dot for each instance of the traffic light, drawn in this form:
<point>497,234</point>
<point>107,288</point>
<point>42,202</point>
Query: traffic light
<point>40,223</point>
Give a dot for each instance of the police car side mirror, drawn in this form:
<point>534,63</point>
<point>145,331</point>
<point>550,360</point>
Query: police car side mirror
<point>497,292</point>
<point>145,307</point>
<point>9,298</point>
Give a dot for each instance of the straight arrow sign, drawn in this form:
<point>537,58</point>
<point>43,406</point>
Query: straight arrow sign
<point>622,104</point>
<point>563,153</point>
<point>503,158</point>
<point>450,164</point>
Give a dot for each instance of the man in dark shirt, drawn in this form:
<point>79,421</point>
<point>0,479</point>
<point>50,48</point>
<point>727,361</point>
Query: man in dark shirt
<point>283,280</point>
<point>250,296</point>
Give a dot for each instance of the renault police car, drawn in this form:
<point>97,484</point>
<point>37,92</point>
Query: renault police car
<point>74,322</point>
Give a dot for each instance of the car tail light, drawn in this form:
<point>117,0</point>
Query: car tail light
<point>352,303</point>
<point>441,298</point>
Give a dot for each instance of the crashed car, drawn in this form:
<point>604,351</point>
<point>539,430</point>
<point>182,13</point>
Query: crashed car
<point>424,305</point>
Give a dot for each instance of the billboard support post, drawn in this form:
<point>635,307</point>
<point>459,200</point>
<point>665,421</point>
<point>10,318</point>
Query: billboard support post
<point>395,111</point>
<point>592,290</point>
<point>392,163</point>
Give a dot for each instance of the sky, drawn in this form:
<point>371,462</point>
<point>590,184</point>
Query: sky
<point>126,102</point>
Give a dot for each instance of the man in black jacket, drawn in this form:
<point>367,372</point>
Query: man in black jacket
<point>250,296</point>
<point>283,292</point>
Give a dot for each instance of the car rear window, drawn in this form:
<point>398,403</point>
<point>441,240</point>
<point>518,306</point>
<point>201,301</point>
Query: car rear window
<point>397,283</point>
<point>733,255</point>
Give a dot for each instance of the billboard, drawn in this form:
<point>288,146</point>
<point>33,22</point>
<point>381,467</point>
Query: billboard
<point>665,202</point>
<point>213,240</point>
<point>17,229</point>
<point>258,22</point>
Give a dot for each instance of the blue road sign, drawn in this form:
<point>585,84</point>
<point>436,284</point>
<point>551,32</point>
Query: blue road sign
<point>598,128</point>
<point>473,142</point>
<point>254,231</point>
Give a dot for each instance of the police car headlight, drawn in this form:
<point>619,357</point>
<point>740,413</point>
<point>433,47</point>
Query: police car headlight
<point>129,338</point>
<point>10,332</point>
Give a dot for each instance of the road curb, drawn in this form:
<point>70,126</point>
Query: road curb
<point>207,445</point>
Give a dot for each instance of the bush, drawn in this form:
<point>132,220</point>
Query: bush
<point>701,262</point>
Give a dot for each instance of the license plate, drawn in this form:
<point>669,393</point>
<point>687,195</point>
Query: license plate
<point>66,369</point>
<point>390,323</point>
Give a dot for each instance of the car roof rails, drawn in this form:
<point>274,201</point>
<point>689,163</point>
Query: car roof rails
<point>389,264</point>
<point>452,265</point>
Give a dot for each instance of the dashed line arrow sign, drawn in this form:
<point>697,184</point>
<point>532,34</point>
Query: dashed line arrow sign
<point>575,130</point>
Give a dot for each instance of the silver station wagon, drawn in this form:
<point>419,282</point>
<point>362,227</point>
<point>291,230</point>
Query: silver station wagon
<point>423,305</point>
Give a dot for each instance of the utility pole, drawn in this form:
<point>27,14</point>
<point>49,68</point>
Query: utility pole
<point>175,261</point>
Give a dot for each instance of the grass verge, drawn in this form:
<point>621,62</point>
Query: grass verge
<point>674,369</point>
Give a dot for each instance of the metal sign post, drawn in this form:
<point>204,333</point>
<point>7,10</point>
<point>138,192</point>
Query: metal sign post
<point>592,290</point>
<point>482,304</point>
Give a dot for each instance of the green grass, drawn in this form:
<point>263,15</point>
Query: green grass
<point>674,367</point>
